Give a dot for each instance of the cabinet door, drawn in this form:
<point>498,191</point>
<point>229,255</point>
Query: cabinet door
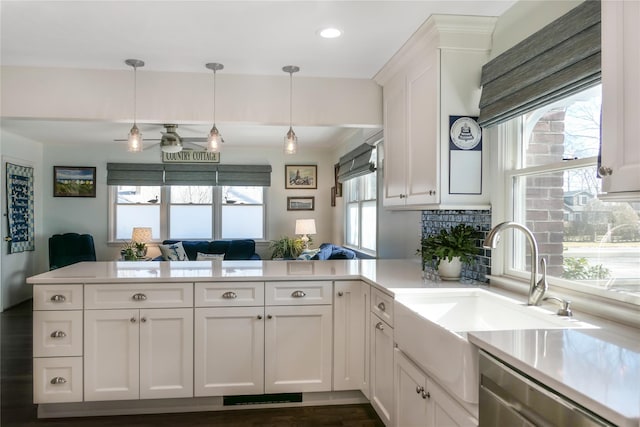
<point>395,141</point>
<point>229,351</point>
<point>445,411</point>
<point>298,348</point>
<point>382,369</point>
<point>410,393</point>
<point>166,353</point>
<point>349,331</point>
<point>620,96</point>
<point>423,136</point>
<point>111,355</point>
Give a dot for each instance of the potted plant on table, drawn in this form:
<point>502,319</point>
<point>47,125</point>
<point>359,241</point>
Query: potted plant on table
<point>448,249</point>
<point>286,248</point>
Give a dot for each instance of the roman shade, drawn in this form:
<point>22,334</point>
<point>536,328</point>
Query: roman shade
<point>134,174</point>
<point>188,174</point>
<point>561,59</point>
<point>355,163</point>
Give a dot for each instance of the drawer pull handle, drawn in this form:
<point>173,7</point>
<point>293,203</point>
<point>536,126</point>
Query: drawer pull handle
<point>382,307</point>
<point>139,297</point>
<point>229,295</point>
<point>58,298</point>
<point>58,380</point>
<point>298,294</point>
<point>58,334</point>
<point>380,326</point>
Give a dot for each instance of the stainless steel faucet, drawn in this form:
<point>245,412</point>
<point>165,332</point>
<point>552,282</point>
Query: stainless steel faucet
<point>536,288</point>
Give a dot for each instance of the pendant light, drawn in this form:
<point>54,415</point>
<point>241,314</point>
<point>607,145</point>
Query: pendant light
<point>290,140</point>
<point>134,140</point>
<point>214,140</point>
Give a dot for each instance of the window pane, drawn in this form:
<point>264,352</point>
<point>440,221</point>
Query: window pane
<point>369,187</point>
<point>129,216</point>
<point>369,225</point>
<point>352,225</point>
<point>242,222</point>
<point>190,222</point>
<point>243,195</point>
<point>137,194</point>
<point>583,238</point>
<point>191,194</point>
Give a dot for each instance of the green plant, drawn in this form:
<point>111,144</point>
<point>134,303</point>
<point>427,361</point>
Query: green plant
<point>286,247</point>
<point>129,252</point>
<point>458,241</point>
<point>579,268</point>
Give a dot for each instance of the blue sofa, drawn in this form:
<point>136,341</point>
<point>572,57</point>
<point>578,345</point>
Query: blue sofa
<point>331,251</point>
<point>233,250</point>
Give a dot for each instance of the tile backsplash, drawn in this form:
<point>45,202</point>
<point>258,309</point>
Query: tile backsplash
<point>434,221</point>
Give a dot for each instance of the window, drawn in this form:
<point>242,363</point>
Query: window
<point>188,212</point>
<point>360,201</point>
<point>589,244</point>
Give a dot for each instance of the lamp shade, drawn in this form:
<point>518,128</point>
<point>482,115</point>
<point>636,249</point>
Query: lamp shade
<point>141,234</point>
<point>305,226</point>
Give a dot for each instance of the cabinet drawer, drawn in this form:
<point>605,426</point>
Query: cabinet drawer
<point>138,295</point>
<point>382,306</point>
<point>57,333</point>
<point>298,293</point>
<point>57,297</point>
<point>57,379</point>
<point>229,294</point>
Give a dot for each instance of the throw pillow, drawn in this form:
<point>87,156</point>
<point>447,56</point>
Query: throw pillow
<point>209,257</point>
<point>307,254</point>
<point>173,252</point>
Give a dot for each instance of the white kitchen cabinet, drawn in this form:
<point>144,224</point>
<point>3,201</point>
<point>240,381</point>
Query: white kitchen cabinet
<point>298,348</point>
<point>229,351</point>
<point>381,371</point>
<point>420,402</point>
<point>138,354</point>
<point>435,75</point>
<point>620,164</point>
<point>350,336</point>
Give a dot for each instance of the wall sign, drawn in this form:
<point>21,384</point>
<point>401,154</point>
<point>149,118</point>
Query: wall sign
<point>20,207</point>
<point>465,155</point>
<point>191,156</point>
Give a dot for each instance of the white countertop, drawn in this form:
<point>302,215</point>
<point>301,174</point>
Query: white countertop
<point>599,369</point>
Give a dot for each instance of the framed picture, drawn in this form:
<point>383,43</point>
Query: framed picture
<point>74,181</point>
<point>301,203</point>
<point>301,176</point>
<point>338,185</point>
<point>333,196</point>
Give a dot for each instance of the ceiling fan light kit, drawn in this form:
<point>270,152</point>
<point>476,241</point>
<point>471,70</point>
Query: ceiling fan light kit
<point>214,140</point>
<point>171,141</point>
<point>134,140</point>
<point>290,139</point>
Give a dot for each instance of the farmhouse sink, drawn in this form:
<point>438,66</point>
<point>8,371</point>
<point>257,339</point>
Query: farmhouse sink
<point>431,326</point>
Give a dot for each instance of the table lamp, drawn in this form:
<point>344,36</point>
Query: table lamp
<point>304,227</point>
<point>141,236</point>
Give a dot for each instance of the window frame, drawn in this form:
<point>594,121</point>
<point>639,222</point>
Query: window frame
<point>359,203</point>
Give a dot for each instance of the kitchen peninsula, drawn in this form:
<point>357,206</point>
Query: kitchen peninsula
<point>144,337</point>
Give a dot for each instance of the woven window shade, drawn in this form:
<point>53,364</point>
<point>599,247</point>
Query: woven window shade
<point>190,174</point>
<point>561,59</point>
<point>247,175</point>
<point>134,174</point>
<point>356,163</point>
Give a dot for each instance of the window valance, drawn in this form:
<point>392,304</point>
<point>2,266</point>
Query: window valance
<point>561,59</point>
<point>355,163</point>
<point>188,174</point>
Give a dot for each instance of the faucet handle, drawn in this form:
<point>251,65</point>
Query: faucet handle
<point>565,310</point>
<point>541,286</point>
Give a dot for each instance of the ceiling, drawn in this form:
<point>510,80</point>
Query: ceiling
<point>248,37</point>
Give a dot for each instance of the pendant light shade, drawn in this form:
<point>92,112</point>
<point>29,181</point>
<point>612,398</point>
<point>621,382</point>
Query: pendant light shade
<point>290,139</point>
<point>214,140</point>
<point>134,140</point>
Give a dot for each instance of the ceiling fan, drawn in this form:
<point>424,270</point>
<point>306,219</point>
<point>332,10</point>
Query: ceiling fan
<point>171,142</point>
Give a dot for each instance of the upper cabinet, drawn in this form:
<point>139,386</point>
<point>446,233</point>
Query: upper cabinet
<point>433,80</point>
<point>620,164</point>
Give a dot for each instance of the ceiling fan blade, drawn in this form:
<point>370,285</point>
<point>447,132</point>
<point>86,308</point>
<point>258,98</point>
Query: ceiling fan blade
<point>193,139</point>
<point>143,140</point>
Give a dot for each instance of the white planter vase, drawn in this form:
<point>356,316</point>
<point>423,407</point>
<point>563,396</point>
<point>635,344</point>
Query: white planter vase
<point>450,270</point>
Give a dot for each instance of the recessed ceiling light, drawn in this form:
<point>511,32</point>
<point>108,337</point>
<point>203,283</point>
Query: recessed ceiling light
<point>330,33</point>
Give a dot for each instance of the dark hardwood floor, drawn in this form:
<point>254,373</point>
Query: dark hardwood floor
<point>17,409</point>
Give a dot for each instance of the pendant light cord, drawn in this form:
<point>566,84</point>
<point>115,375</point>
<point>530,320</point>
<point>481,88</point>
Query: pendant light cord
<point>214,97</point>
<point>135,91</point>
<point>290,99</point>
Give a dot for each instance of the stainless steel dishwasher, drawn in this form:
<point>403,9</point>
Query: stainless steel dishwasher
<point>508,398</point>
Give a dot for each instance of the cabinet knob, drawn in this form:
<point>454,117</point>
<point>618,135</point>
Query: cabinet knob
<point>426,395</point>
<point>380,326</point>
<point>58,334</point>
<point>340,293</point>
<point>58,298</point>
<point>402,196</point>
<point>605,171</point>
<point>269,316</point>
<point>382,307</point>
<point>139,297</point>
<point>259,316</point>
<point>432,192</point>
<point>298,294</point>
<point>58,380</point>
<point>419,389</point>
<point>143,319</point>
<point>229,295</point>
<point>132,320</point>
